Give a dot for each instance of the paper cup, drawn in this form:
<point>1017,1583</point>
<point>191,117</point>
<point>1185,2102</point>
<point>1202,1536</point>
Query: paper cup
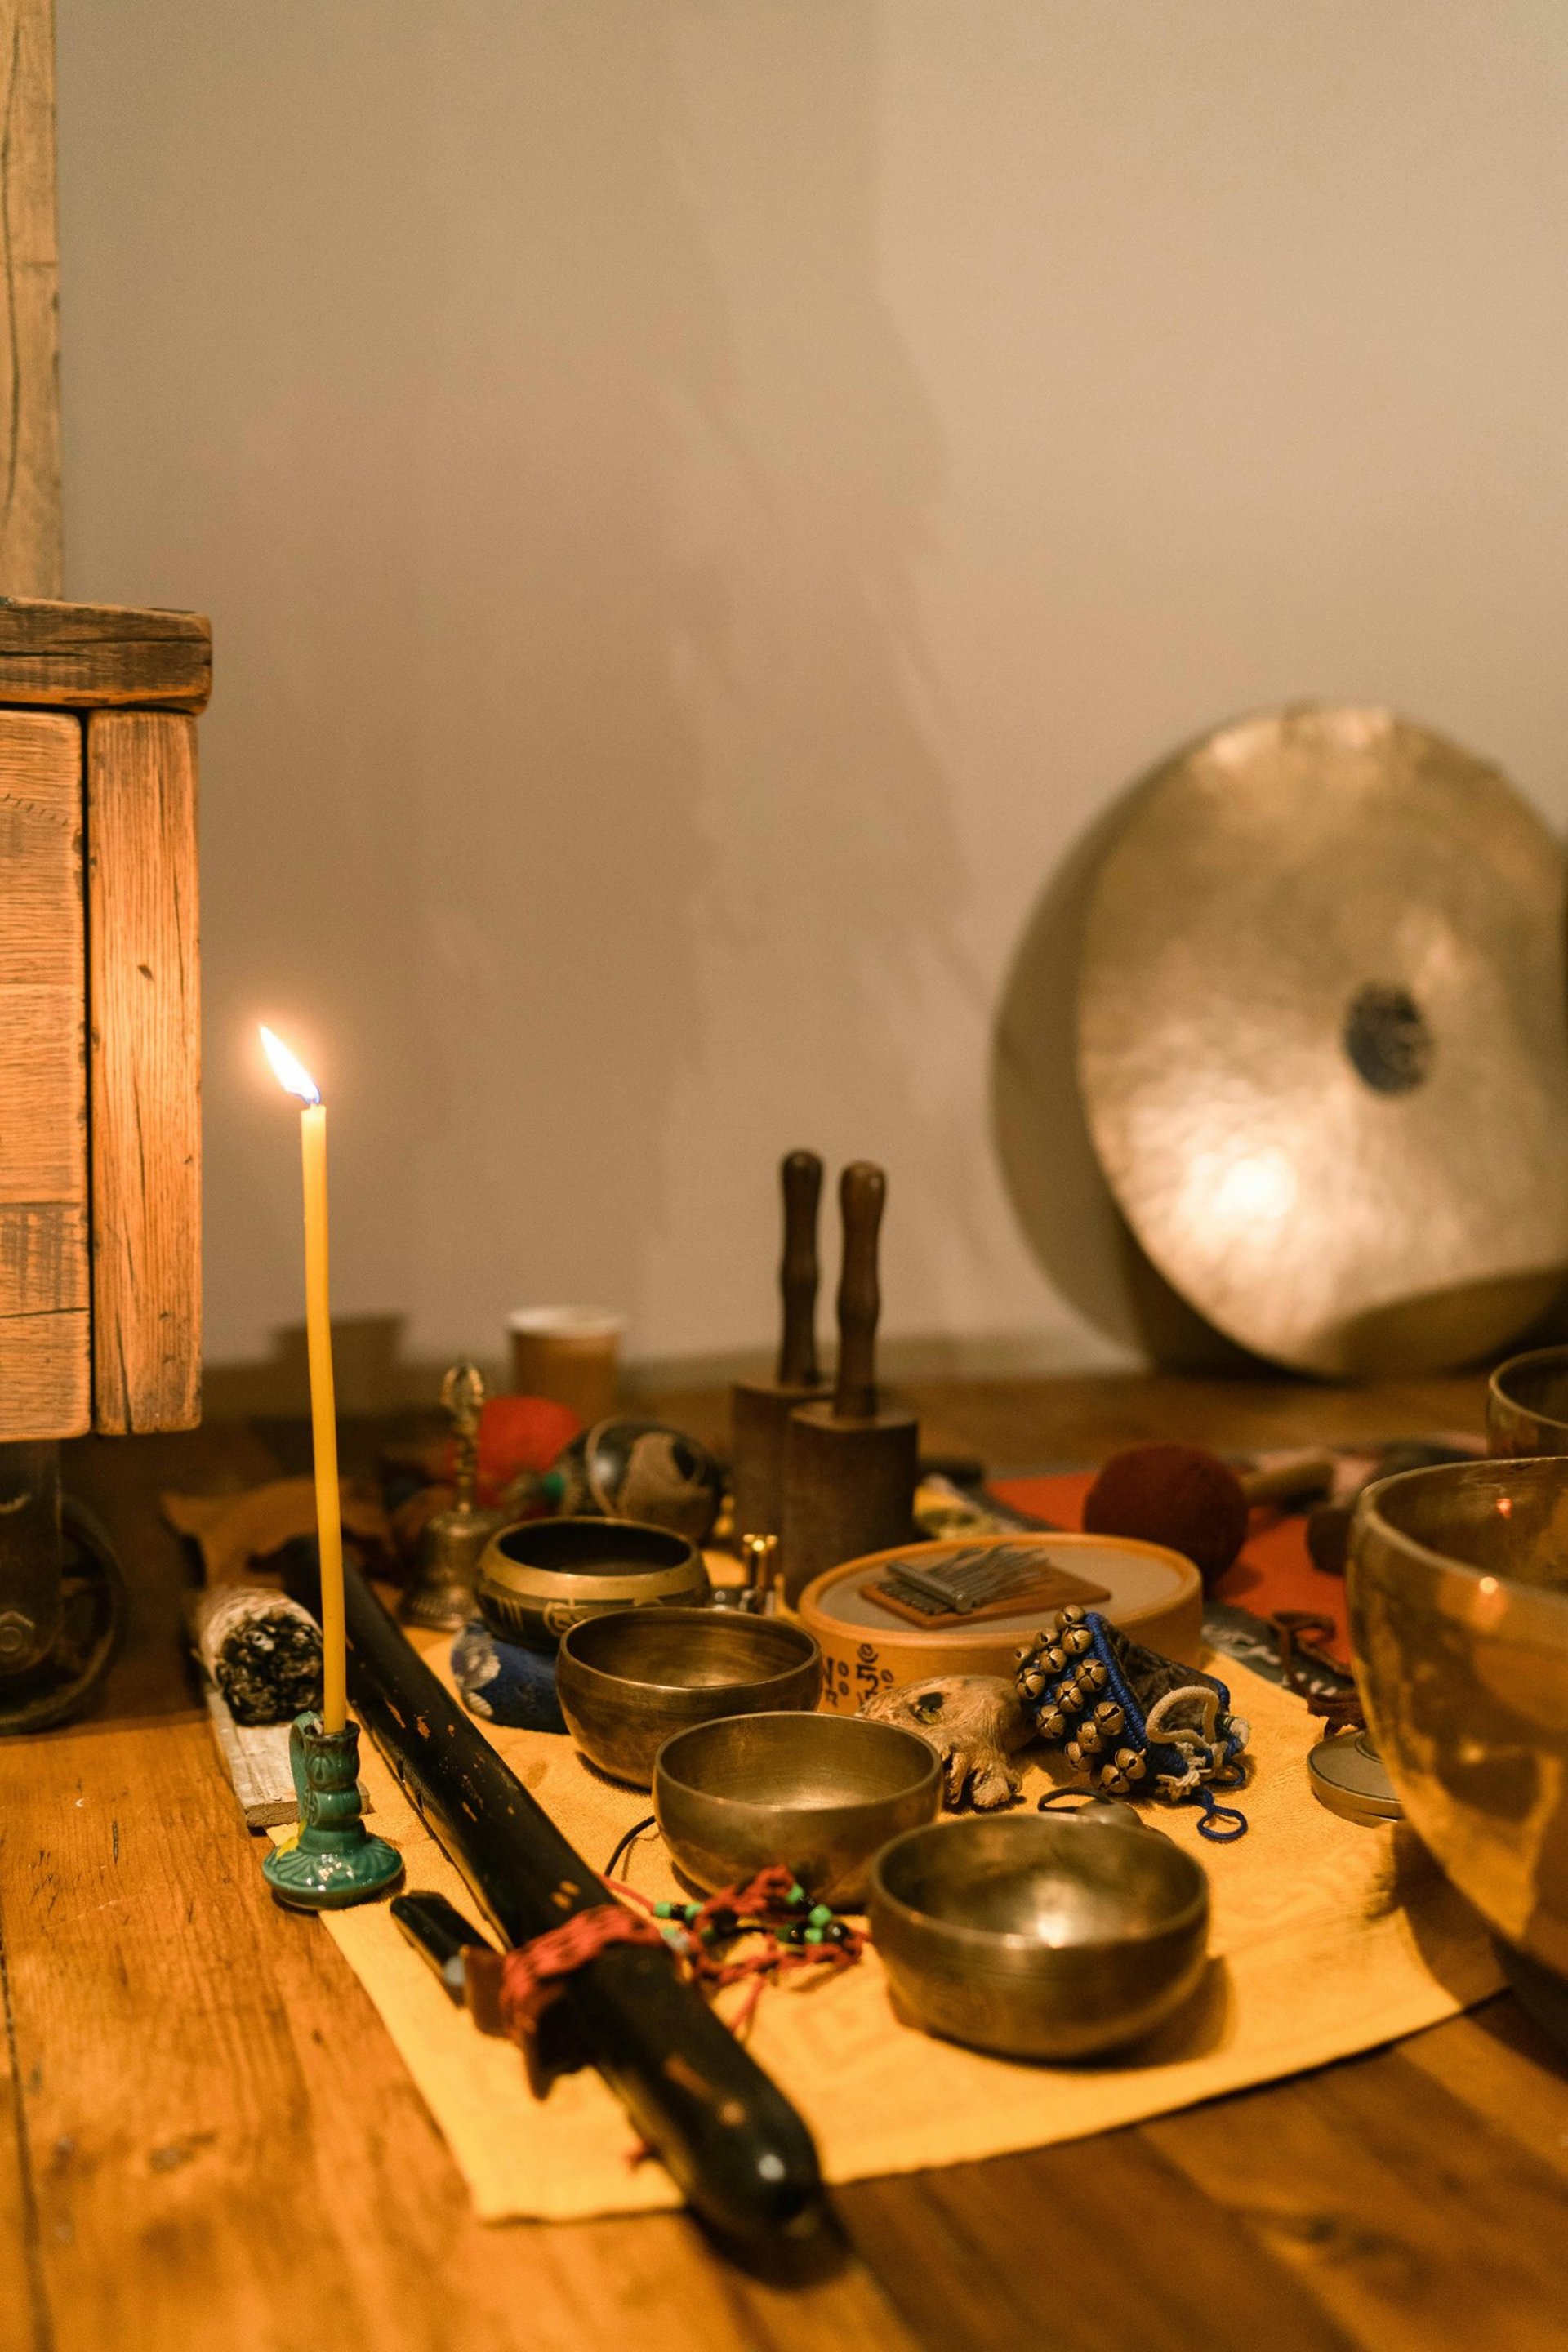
<point>570,1354</point>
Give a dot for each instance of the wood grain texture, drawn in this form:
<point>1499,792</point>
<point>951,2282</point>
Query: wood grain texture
<point>1013,1423</point>
<point>225,2150</point>
<point>91,657</point>
<point>255,1758</point>
<point>24,2319</point>
<point>1192,2281</point>
<point>190,2057</point>
<point>145,1063</point>
<point>44,1341</point>
<point>1411,2221</point>
<point>1497,2063</point>
<point>29,312</point>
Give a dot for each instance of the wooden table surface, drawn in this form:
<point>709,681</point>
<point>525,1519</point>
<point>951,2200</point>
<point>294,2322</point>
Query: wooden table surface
<point>211,2142</point>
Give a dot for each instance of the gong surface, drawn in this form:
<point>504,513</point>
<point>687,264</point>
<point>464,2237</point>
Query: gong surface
<point>1322,1041</point>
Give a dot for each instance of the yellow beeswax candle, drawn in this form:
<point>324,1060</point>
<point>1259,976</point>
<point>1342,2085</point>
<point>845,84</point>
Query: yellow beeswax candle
<point>292,1074</point>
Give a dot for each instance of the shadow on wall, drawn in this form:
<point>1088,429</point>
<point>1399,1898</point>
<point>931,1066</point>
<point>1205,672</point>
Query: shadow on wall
<point>371,1373</point>
<point>1059,1195</point>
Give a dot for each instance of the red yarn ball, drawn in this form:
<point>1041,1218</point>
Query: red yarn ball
<point>1178,1495</point>
<point>517,1433</point>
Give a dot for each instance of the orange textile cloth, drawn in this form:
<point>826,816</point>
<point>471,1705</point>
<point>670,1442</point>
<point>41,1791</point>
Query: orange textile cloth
<point>1274,1572</point>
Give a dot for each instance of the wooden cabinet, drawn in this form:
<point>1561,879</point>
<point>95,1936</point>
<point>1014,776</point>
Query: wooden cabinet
<point>99,1019</point>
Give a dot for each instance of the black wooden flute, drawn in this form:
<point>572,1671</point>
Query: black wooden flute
<point>736,2147</point>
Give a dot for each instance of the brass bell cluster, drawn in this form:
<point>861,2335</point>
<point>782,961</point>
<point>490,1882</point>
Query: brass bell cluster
<point>1063,1688</point>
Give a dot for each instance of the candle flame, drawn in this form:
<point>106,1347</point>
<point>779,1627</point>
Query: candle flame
<point>289,1071</point>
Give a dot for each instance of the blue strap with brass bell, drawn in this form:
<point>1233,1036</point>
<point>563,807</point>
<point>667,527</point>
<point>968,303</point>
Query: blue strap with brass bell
<point>1136,1723</point>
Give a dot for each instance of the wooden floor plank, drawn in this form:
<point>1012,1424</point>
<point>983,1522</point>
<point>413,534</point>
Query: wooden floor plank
<point>1022,1425</point>
<point>24,2319</point>
<point>1415,2223</point>
<point>1499,2064</point>
<point>1077,2248</point>
<point>221,2126</point>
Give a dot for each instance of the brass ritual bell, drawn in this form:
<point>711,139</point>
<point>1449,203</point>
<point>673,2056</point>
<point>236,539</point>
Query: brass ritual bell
<point>442,1592</point>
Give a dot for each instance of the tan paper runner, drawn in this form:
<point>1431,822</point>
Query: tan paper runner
<point>1328,1938</point>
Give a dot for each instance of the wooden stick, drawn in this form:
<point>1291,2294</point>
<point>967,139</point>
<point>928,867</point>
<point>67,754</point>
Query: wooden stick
<point>801,1176</point>
<point>862,1191</point>
<point>728,2134</point>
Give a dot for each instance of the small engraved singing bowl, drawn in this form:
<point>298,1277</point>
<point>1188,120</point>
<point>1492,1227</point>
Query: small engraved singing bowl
<point>1527,1404</point>
<point>817,1792</point>
<point>627,1682</point>
<point>1053,1934</point>
<point>537,1580</point>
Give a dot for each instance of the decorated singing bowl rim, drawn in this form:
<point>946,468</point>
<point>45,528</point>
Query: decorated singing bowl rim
<point>714,1836</point>
<point>1054,1836</point>
<point>525,1593</point>
<point>1540,1608</point>
<point>856,1729</point>
<point>1501,1406</point>
<point>620,1720</point>
<point>808,1653</point>
<point>1021,1994</point>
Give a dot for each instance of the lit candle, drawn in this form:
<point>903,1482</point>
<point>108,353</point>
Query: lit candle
<point>298,1080</point>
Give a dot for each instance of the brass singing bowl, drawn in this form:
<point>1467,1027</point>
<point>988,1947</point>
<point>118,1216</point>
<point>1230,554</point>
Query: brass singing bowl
<point>817,1792</point>
<point>1041,1934</point>
<point>625,1682</point>
<point>1527,1404</point>
<point>1458,1589</point>
<point>537,1579</point>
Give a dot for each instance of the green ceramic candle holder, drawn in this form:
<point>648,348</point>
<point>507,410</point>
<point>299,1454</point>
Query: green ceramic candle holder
<point>335,1861</point>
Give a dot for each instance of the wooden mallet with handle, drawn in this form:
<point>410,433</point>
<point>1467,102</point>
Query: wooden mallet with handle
<point>850,1465</point>
<point>760,1409</point>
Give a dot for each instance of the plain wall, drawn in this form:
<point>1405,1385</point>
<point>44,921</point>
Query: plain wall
<point>705,508</point>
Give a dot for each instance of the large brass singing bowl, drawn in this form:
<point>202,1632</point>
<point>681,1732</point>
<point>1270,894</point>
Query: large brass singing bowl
<point>818,1792</point>
<point>1527,1404</point>
<point>1458,1586</point>
<point>627,1682</point>
<point>1041,1934</point>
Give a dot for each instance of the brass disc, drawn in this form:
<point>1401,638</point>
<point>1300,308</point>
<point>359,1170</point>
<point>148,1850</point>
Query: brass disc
<point>1347,1774</point>
<point>1323,1041</point>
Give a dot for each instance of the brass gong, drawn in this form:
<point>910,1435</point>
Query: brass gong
<point>1323,1041</point>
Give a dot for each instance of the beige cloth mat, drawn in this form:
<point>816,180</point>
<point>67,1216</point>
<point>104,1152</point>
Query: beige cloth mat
<point>1327,1938</point>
